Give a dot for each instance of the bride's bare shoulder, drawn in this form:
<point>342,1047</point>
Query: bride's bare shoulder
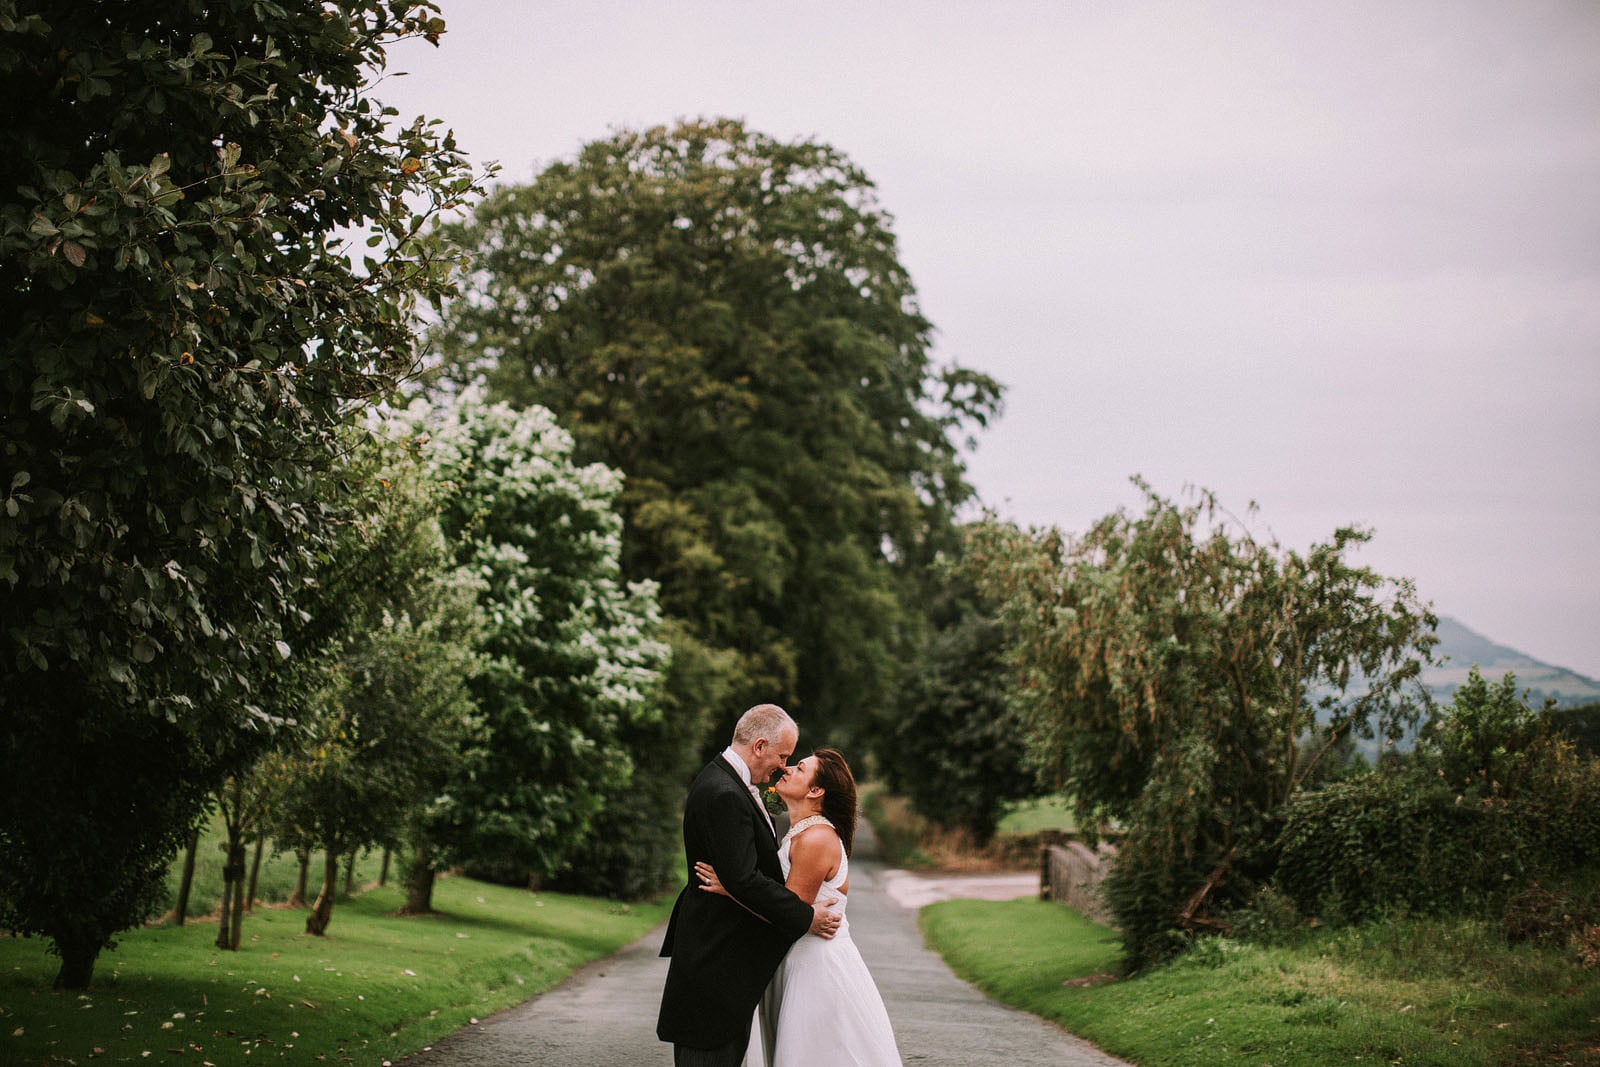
<point>819,839</point>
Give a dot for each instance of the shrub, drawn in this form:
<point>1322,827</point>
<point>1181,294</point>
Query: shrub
<point>1399,840</point>
<point>1490,802</point>
<point>1271,918</point>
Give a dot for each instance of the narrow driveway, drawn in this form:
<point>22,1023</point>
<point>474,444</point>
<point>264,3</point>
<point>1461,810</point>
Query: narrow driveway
<point>605,1014</point>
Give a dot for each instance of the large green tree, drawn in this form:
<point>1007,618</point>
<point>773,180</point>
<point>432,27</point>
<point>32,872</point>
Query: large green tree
<point>572,657</point>
<point>181,333</point>
<point>956,749</point>
<point>1180,675</point>
<point>724,318</point>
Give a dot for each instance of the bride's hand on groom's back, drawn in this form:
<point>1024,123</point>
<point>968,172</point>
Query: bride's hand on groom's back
<point>709,882</point>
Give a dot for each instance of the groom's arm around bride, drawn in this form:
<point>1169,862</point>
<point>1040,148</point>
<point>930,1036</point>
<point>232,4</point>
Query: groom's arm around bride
<point>724,950</point>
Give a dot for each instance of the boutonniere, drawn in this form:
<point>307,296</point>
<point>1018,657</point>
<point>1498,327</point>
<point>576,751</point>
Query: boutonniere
<point>774,803</point>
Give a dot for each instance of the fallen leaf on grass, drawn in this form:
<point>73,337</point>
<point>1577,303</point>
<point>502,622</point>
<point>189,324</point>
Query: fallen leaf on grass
<point>1070,983</point>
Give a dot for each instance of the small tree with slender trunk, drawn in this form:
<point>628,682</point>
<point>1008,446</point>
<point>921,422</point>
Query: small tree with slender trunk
<point>255,872</point>
<point>302,878</point>
<point>180,910</point>
<point>241,804</point>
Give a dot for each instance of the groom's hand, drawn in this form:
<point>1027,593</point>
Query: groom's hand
<point>824,923</point>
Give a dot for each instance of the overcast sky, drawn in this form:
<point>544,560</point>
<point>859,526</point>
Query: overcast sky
<point>1339,259</point>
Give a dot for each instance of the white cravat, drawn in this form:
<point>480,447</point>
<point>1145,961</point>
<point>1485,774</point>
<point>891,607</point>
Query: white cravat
<point>755,794</point>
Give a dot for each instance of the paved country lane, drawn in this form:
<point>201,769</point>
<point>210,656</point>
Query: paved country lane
<point>605,1014</point>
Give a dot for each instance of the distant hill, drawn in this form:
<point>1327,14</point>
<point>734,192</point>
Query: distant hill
<point>1460,649</point>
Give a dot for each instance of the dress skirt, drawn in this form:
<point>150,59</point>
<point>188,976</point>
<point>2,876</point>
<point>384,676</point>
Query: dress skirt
<point>822,1008</point>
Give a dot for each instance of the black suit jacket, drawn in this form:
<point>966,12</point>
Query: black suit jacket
<point>722,955</point>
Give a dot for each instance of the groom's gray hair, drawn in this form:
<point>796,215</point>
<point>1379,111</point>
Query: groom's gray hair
<point>763,720</point>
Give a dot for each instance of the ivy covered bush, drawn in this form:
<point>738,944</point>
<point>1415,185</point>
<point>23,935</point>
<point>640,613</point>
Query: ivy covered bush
<point>1487,805</point>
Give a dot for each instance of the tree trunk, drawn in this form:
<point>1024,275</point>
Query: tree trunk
<point>77,963</point>
<point>222,941</point>
<point>419,882</point>
<point>232,894</point>
<point>297,899</point>
<point>255,874</point>
<point>350,873</point>
<point>181,911</point>
<point>237,930</point>
<point>383,871</point>
<point>322,910</point>
<point>233,866</point>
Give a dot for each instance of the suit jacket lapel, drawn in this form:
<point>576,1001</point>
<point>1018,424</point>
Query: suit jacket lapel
<point>765,817</point>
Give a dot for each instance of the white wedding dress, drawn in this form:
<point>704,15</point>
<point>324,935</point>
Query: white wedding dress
<point>822,1008</point>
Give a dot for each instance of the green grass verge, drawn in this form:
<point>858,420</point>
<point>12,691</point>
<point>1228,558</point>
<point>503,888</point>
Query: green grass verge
<point>1040,813</point>
<point>377,987</point>
<point>1403,992</point>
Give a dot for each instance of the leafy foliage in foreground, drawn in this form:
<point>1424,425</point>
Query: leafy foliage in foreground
<point>182,338</point>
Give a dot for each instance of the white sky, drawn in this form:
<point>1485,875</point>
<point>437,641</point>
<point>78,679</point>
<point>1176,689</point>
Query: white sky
<point>1341,259</point>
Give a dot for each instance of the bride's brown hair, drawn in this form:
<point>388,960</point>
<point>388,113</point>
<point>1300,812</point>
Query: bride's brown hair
<point>838,793</point>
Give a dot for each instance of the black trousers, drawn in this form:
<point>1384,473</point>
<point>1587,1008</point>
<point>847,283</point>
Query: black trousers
<point>729,1055</point>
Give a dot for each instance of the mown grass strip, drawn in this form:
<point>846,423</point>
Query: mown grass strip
<point>1447,994</point>
<point>377,987</point>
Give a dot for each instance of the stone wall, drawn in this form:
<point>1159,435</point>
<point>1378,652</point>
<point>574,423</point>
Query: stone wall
<point>1070,872</point>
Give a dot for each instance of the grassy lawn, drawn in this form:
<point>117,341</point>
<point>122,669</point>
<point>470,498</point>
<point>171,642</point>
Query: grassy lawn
<point>377,987</point>
<point>1041,813</point>
<point>1397,993</point>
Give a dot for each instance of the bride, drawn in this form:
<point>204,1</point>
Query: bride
<point>822,1006</point>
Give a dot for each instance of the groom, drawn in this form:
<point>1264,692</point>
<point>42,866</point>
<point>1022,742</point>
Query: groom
<point>724,951</point>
